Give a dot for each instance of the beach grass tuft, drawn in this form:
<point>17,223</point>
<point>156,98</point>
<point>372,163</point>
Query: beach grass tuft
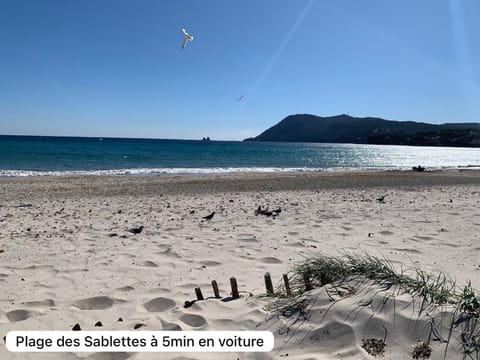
<point>422,350</point>
<point>374,346</point>
<point>432,289</point>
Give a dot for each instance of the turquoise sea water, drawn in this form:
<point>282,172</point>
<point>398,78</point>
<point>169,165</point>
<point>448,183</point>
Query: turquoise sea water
<point>32,155</point>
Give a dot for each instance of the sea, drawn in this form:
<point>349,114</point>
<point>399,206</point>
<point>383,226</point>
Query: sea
<point>57,156</point>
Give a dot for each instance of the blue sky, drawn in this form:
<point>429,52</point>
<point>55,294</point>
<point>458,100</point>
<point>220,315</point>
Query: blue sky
<point>115,67</point>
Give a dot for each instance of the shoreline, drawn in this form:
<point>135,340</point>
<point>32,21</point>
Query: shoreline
<point>209,171</point>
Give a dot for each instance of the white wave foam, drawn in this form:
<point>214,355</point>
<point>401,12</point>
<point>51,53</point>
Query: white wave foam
<point>150,171</point>
<point>205,171</point>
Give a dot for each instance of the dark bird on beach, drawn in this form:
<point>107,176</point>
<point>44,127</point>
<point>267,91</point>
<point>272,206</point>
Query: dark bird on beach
<point>419,168</point>
<point>381,198</point>
<point>262,211</point>
<point>209,217</point>
<point>136,230</point>
<point>267,212</point>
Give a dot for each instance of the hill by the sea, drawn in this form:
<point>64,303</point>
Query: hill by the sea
<point>370,130</point>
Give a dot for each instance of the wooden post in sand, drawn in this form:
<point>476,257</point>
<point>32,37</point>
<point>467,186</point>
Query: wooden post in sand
<point>287,285</point>
<point>199,294</point>
<point>268,283</point>
<point>215,289</point>
<point>233,284</point>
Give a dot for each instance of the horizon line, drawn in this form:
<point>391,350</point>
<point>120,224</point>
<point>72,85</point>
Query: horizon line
<point>116,137</point>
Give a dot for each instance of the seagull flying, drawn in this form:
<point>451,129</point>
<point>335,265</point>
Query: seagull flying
<point>186,37</point>
<point>240,98</point>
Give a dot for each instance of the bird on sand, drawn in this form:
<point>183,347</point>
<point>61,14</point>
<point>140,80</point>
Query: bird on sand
<point>136,230</point>
<point>210,216</point>
<point>186,38</point>
<point>381,198</point>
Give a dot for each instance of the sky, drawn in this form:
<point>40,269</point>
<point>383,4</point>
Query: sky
<point>116,67</point>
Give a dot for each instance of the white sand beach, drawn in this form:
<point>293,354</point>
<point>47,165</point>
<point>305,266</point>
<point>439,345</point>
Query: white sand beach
<point>66,257</point>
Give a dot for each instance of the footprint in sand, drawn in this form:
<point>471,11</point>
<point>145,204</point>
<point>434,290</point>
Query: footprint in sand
<point>40,303</point>
<point>21,314</point>
<point>246,235</point>
<point>126,256</point>
<point>210,263</point>
<point>270,260</point>
<point>159,304</point>
<point>295,244</point>
<point>159,290</point>
<point>168,326</point>
<point>193,320</point>
<point>426,238</point>
<point>38,271</point>
<point>172,229</point>
<point>451,245</point>
<point>147,263</point>
<point>125,288</point>
<point>94,303</point>
<point>168,253</point>
<point>337,335</point>
<point>164,248</point>
<point>74,271</point>
<point>248,240</point>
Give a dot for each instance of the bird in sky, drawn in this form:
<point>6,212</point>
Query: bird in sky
<point>240,98</point>
<point>186,38</point>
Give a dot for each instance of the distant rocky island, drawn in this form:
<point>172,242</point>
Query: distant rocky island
<point>370,130</point>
